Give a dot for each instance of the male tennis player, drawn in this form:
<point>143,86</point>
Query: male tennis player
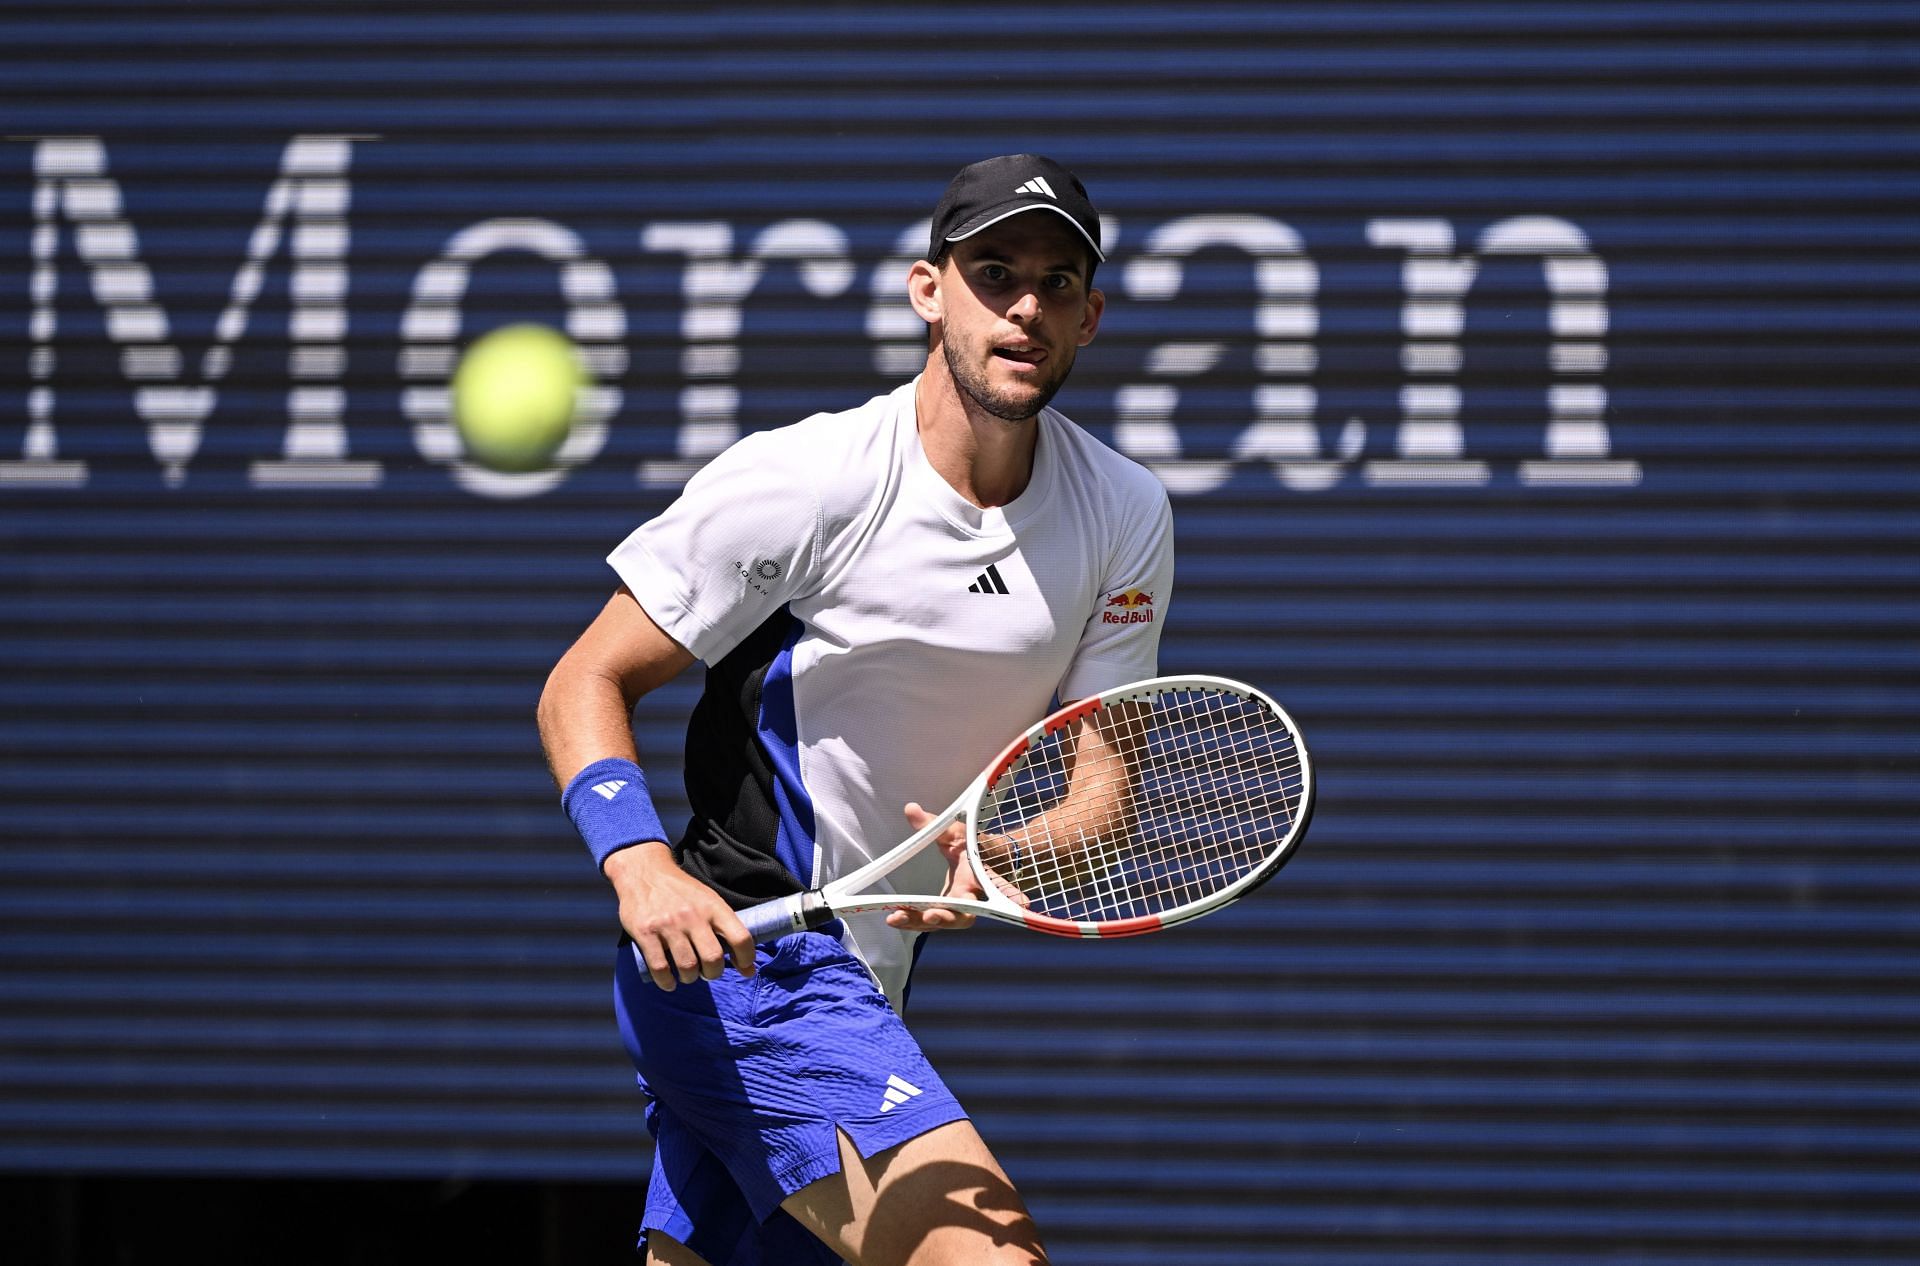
<point>883,598</point>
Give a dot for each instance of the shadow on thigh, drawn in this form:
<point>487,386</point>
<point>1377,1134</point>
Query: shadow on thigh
<point>664,1250</point>
<point>935,1199</point>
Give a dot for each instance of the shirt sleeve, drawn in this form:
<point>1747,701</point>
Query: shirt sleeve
<point>741,539</point>
<point>1121,640</point>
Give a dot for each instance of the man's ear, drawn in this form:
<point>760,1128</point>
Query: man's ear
<point>923,291</point>
<point>1090,320</point>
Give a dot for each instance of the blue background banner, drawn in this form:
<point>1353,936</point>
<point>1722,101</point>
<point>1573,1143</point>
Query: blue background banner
<point>1536,388</point>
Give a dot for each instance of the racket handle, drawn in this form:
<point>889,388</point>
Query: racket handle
<point>771,920</point>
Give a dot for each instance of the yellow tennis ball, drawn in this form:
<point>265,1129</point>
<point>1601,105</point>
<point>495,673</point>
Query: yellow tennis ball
<point>514,396</point>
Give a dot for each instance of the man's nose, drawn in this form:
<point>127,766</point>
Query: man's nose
<point>1026,307</point>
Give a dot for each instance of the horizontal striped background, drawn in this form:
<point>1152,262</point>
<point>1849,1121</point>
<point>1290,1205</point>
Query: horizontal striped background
<point>1602,947</point>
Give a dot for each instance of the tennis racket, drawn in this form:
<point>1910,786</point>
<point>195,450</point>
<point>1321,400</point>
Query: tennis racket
<point>1180,795</point>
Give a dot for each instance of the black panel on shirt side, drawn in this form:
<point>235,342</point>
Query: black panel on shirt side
<point>729,844</point>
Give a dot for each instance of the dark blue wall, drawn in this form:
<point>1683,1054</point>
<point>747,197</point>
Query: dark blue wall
<point>1537,387</point>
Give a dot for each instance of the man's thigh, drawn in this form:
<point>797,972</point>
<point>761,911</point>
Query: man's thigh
<point>938,1199</point>
<point>664,1250</point>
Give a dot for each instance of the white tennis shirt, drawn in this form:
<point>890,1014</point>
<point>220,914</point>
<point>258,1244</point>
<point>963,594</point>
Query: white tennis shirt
<point>872,637</point>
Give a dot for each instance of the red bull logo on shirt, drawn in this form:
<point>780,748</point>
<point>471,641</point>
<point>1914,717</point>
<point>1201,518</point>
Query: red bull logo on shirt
<point>1129,606</point>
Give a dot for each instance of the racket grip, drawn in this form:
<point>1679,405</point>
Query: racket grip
<point>771,920</point>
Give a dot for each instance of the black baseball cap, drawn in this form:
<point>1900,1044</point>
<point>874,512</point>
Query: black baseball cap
<point>987,192</point>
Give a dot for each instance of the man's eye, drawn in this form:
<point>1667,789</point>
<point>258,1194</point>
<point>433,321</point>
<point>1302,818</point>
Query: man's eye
<point>994,272</point>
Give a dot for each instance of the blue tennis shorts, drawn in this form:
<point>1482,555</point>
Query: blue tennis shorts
<point>749,1081</point>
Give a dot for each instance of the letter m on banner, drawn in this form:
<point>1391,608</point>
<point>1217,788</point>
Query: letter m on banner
<point>310,194</point>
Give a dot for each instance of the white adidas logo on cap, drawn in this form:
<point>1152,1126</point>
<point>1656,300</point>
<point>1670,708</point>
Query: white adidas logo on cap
<point>1038,185</point>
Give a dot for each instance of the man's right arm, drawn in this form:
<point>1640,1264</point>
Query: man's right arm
<point>682,928</point>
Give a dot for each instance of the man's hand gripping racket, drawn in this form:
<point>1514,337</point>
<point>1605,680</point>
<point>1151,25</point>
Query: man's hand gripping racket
<point>1124,813</point>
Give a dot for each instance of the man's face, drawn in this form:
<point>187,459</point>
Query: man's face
<point>1016,307</point>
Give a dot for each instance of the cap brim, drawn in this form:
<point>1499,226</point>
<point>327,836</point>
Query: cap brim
<point>1002,213</point>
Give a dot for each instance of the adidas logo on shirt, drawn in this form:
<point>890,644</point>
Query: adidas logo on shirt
<point>899,1090</point>
<point>1038,185</point>
<point>989,582</point>
<point>609,790</point>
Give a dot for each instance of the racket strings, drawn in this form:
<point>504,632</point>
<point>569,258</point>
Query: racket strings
<point>1184,794</point>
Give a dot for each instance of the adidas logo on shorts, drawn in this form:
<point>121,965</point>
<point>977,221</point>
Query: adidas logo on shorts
<point>899,1090</point>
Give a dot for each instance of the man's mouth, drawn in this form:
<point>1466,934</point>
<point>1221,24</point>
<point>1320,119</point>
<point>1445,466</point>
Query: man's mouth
<point>1021,355</point>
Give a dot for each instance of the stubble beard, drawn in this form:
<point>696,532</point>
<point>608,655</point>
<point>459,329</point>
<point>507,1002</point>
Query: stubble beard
<point>1016,405</point>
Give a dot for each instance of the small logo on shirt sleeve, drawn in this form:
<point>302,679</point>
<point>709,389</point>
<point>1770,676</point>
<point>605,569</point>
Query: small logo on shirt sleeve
<point>1129,606</point>
<point>763,572</point>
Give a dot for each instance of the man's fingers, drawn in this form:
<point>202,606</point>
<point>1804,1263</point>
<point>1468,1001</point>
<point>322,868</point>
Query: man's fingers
<point>740,946</point>
<point>677,958</point>
<point>918,817</point>
<point>713,961</point>
<point>1012,893</point>
<point>686,959</point>
<point>659,965</point>
<point>682,929</point>
<point>933,919</point>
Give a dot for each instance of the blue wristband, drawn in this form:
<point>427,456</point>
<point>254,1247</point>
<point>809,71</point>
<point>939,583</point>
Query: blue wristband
<point>611,809</point>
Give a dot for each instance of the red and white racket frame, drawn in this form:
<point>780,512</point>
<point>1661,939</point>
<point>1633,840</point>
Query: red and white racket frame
<point>846,895</point>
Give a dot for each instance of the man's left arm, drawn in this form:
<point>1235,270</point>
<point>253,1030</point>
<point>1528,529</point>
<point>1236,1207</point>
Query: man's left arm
<point>1100,755</point>
<point>1120,643</point>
